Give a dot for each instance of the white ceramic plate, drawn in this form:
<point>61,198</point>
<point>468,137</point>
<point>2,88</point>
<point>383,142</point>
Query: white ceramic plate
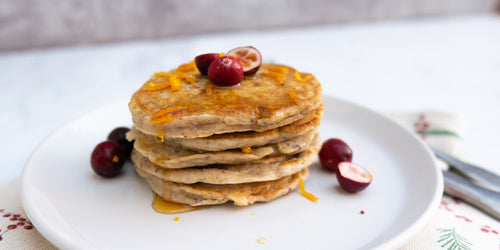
<point>74,208</point>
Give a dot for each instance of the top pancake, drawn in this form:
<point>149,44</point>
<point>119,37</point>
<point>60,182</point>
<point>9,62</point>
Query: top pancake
<point>275,96</point>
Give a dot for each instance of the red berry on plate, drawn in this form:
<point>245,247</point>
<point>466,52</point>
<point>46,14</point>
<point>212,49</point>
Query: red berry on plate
<point>107,159</point>
<point>119,135</point>
<point>203,61</point>
<point>333,151</point>
<point>353,178</point>
<point>225,71</point>
<point>249,57</point>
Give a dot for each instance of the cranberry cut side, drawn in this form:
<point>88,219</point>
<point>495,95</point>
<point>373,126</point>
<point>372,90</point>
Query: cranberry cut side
<point>353,178</point>
<point>249,57</point>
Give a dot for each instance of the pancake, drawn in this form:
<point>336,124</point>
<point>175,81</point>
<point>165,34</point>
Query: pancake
<point>220,142</point>
<point>168,156</point>
<point>199,194</point>
<point>275,96</point>
<point>266,169</point>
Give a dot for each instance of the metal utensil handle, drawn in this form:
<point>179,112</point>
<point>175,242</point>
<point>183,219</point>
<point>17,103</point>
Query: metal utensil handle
<point>481,175</point>
<point>482,198</point>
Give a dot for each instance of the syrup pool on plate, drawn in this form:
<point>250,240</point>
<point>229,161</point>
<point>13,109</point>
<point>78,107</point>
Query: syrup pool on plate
<point>163,206</point>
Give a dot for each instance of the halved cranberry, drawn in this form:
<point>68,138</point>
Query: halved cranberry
<point>203,62</point>
<point>225,71</point>
<point>107,159</point>
<point>353,178</point>
<point>249,57</point>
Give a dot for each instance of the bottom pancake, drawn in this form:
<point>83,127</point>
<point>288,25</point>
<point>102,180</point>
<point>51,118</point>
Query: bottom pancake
<point>199,194</point>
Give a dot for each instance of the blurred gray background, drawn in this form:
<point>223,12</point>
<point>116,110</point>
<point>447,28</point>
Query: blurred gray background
<point>26,24</point>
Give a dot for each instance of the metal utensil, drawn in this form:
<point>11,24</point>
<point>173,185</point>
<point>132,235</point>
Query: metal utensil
<point>477,174</point>
<point>485,199</point>
<point>472,184</point>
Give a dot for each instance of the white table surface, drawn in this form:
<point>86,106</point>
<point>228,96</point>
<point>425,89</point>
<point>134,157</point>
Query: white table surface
<point>449,64</point>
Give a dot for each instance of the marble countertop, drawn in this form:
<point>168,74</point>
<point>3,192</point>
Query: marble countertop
<point>449,64</point>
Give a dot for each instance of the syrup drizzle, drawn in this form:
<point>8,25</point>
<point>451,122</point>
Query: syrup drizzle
<point>167,207</point>
<point>159,137</point>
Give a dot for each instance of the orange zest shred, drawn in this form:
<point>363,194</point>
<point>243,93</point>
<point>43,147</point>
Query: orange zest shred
<point>246,149</point>
<point>175,83</point>
<point>167,115</point>
<point>277,77</point>
<point>163,74</point>
<point>278,73</point>
<point>278,69</point>
<point>299,78</point>
<point>309,196</point>
<point>174,79</point>
<point>187,67</point>
<point>152,86</point>
<point>186,77</point>
<point>115,159</point>
<point>222,54</point>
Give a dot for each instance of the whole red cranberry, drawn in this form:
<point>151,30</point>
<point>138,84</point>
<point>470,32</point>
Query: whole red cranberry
<point>334,151</point>
<point>225,71</point>
<point>107,159</point>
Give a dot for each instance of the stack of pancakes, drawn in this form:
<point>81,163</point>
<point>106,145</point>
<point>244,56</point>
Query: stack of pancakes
<point>198,144</point>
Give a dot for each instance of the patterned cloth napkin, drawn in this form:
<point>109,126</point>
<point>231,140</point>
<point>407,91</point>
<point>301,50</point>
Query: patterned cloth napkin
<point>454,225</point>
<point>16,231</point>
